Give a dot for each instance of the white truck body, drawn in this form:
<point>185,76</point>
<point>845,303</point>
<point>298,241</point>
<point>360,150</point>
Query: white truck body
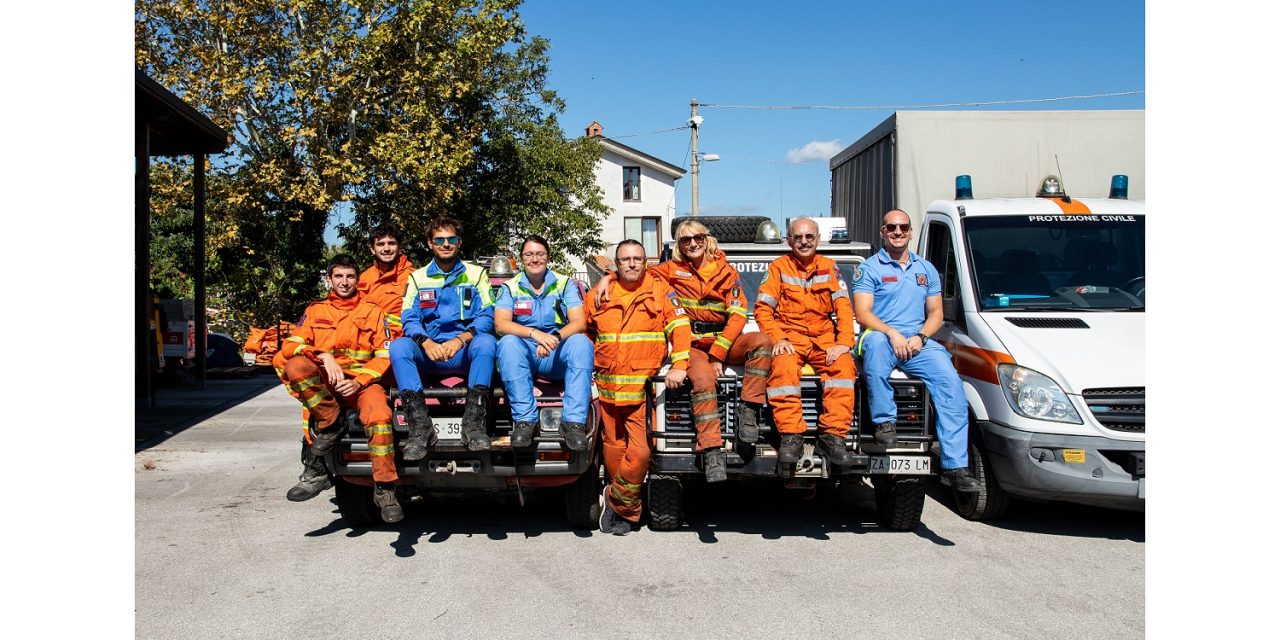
<point>1064,298</point>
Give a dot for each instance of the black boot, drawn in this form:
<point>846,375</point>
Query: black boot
<point>790,448</point>
<point>960,480</point>
<point>575,435</point>
<point>314,478</point>
<point>713,465</point>
<point>833,449</point>
<point>422,433</point>
<point>322,440</point>
<point>748,427</point>
<point>886,434</point>
<point>384,497</point>
<point>522,434</point>
<point>475,419</point>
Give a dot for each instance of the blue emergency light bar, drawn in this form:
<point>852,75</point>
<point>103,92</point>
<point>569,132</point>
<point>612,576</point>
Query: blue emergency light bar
<point>964,188</point>
<point>1119,187</point>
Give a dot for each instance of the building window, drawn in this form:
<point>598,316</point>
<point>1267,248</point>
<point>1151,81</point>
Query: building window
<point>631,183</point>
<point>644,230</point>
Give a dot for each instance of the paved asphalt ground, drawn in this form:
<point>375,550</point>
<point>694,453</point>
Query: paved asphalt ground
<point>221,554</point>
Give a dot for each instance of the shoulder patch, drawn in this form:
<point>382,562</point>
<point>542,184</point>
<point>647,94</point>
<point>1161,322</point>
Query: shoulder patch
<point>857,273</point>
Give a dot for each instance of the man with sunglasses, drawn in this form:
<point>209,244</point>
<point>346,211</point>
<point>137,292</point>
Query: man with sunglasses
<point>447,311</point>
<point>799,293</point>
<point>897,297</point>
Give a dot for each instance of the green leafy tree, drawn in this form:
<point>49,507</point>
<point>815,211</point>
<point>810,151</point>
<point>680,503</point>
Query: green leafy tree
<point>405,108</point>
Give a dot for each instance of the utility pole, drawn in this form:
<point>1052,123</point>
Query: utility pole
<point>694,121</point>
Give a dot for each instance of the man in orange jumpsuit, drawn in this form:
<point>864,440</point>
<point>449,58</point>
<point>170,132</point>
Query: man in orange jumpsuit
<point>335,358</point>
<point>383,283</point>
<point>794,305</point>
<point>631,332</point>
<point>710,290</point>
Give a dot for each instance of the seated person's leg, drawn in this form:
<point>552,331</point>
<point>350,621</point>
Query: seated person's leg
<point>933,366</point>
<point>878,362</point>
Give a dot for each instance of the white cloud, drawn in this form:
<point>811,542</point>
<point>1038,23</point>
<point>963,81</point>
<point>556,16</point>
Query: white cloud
<point>816,150</point>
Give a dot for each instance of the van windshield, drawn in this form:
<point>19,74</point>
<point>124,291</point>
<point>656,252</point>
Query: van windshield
<point>1058,262</point>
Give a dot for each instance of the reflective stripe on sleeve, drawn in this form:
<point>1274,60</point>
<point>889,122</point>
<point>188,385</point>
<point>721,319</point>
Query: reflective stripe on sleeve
<point>767,299</point>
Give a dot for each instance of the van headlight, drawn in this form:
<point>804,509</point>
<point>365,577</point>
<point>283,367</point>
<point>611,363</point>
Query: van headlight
<point>1034,395</point>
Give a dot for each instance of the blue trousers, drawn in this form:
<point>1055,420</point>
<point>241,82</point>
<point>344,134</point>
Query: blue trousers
<point>572,361</point>
<point>933,366</point>
<point>409,362</point>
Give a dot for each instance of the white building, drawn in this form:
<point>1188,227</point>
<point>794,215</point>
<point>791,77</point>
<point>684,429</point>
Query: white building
<point>640,192</point>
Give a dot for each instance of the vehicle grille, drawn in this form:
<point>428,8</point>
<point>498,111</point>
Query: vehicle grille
<point>1122,409</point>
<point>1048,323</point>
<point>915,415</point>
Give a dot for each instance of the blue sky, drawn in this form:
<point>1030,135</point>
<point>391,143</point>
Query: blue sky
<point>635,66</point>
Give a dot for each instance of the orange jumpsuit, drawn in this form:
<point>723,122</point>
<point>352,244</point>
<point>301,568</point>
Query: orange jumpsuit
<point>354,331</point>
<point>631,338</point>
<point>795,303</point>
<point>387,290</point>
<point>717,300</point>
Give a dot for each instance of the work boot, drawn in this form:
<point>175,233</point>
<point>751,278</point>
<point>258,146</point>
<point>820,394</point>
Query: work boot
<point>314,478</point>
<point>610,521</point>
<point>833,449</point>
<point>522,434</point>
<point>791,448</point>
<point>475,418</point>
<point>385,498</point>
<point>961,480</point>
<point>575,435</point>
<point>422,433</point>
<point>322,440</point>
<point>886,435</point>
<point>713,465</point>
<point>747,431</point>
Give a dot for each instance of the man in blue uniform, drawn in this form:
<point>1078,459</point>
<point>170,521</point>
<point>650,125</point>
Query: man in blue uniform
<point>539,316</point>
<point>897,299</point>
<point>447,314</point>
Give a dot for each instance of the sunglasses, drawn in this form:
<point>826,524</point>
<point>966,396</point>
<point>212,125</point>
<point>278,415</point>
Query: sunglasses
<point>440,241</point>
<point>701,237</point>
<point>808,237</point>
<point>905,227</point>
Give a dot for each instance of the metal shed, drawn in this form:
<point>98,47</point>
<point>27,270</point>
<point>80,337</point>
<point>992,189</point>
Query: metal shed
<point>165,125</point>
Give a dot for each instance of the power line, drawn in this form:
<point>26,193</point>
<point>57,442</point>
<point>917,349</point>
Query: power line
<point>648,133</point>
<point>924,106</point>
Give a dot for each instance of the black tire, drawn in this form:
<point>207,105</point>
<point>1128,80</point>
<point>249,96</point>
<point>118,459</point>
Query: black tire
<point>582,500</point>
<point>355,503</point>
<point>990,501</point>
<point>899,501</point>
<point>727,228</point>
<point>665,503</point>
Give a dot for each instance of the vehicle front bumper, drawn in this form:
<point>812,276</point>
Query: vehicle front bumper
<point>1089,470</point>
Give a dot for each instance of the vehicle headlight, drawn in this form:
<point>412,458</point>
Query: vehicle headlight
<point>549,418</point>
<point>1034,395</point>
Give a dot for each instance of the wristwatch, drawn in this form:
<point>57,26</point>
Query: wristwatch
<point>923,339</point>
<point>556,333</point>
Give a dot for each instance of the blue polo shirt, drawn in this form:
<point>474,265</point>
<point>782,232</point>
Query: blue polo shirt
<point>899,291</point>
<point>544,311</point>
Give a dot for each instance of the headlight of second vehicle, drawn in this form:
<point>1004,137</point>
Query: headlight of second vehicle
<point>1034,395</point>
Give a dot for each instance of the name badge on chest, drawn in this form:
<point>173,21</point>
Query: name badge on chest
<point>427,299</point>
<point>524,307</point>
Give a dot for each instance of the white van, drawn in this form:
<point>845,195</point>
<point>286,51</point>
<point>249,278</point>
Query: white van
<point>1044,309</point>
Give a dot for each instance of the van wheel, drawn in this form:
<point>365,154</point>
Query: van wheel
<point>990,501</point>
<point>582,500</point>
<point>665,512</point>
<point>899,501</point>
<point>355,503</point>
